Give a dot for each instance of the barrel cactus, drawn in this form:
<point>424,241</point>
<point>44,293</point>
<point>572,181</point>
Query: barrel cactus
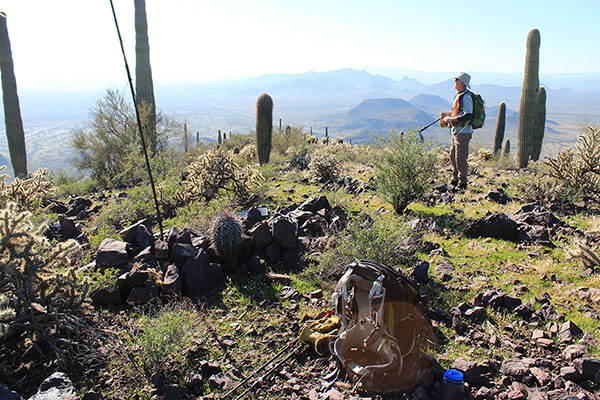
<point>530,131</point>
<point>264,127</point>
<point>500,126</point>
<point>226,236</point>
<point>12,111</point>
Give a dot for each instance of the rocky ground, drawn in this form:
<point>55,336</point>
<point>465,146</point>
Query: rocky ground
<point>510,310</point>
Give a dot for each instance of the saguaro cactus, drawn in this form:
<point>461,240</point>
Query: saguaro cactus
<point>500,126</point>
<point>144,87</point>
<point>506,148</point>
<point>264,127</point>
<point>12,111</point>
<point>185,138</point>
<point>529,100</point>
<point>540,124</point>
<point>219,138</point>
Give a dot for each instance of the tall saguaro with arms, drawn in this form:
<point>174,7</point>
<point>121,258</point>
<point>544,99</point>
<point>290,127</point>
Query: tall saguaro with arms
<point>12,111</point>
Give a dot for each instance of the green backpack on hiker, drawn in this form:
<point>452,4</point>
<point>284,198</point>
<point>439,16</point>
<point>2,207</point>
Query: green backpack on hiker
<point>478,110</point>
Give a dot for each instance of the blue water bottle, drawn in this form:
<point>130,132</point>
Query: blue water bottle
<point>452,385</point>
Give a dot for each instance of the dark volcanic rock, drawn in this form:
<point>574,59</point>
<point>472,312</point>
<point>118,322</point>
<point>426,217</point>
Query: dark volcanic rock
<point>182,252</point>
<point>421,272</point>
<point>261,235</point>
<point>315,204</point>
<point>200,276</point>
<point>172,282</point>
<point>589,368</point>
<point>514,367</point>
<point>142,295</point>
<point>130,233</point>
<point>498,196</point>
<point>495,225</point>
<point>161,249</point>
<point>68,227</point>
<point>104,297</point>
<point>469,369</point>
<point>112,253</point>
<point>284,232</point>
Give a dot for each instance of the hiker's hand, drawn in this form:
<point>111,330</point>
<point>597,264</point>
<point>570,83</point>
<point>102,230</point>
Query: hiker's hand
<point>445,114</point>
<point>447,121</point>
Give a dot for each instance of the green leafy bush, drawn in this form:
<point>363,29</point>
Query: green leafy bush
<point>405,169</point>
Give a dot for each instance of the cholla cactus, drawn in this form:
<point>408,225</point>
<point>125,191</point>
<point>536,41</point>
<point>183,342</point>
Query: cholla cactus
<point>7,314</point>
<point>248,152</point>
<point>213,172</point>
<point>580,169</point>
<point>28,193</point>
<point>324,166</point>
<point>35,271</point>
<point>226,236</point>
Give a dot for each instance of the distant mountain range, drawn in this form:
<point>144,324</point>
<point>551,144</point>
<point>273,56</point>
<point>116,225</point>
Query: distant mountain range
<point>350,102</point>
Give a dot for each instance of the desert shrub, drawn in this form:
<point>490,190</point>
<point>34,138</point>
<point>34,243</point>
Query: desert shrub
<point>121,212</point>
<point>405,169</point>
<point>215,173</point>
<point>73,185</point>
<point>32,270</point>
<point>159,342</point>
<point>28,193</point>
<point>580,168</point>
<point>380,240</point>
<point>324,166</point>
<point>293,137</point>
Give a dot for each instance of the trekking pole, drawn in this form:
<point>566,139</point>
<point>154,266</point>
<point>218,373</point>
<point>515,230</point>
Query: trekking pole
<point>425,127</point>
<point>276,366</point>
<point>256,371</point>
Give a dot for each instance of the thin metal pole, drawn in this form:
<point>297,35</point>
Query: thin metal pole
<point>139,121</point>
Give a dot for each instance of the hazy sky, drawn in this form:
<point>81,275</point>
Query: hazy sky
<point>73,43</point>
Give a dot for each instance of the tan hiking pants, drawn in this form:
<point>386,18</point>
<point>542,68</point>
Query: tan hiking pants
<point>459,152</point>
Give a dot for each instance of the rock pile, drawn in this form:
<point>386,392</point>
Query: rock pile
<point>532,223</point>
<point>186,262</point>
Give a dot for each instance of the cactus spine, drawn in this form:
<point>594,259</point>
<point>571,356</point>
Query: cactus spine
<point>528,109</point>
<point>264,127</point>
<point>15,134</point>
<point>144,87</point>
<point>500,126</point>
<point>540,124</point>
<point>506,148</point>
<point>226,236</point>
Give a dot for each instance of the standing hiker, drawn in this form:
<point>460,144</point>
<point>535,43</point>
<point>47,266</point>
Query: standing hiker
<point>459,121</point>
